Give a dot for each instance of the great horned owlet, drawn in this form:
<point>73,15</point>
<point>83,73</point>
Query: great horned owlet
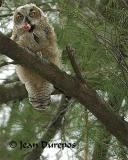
<point>33,32</point>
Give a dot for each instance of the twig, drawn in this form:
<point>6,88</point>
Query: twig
<point>125,3</point>
<point>115,51</point>
<point>6,15</point>
<point>5,63</point>
<point>8,7</point>
<point>116,54</point>
<point>51,130</point>
<point>71,54</point>
<point>1,2</point>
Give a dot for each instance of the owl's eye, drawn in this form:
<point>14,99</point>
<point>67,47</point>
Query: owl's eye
<point>32,13</point>
<point>19,17</point>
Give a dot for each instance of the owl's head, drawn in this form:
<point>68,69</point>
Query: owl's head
<point>27,17</point>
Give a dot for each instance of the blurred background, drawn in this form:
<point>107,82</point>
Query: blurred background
<point>98,30</point>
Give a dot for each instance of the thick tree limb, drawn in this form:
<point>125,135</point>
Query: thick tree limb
<point>51,130</point>
<point>70,86</point>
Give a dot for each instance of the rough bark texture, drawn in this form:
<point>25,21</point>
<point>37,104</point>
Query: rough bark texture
<point>70,86</point>
<point>12,91</point>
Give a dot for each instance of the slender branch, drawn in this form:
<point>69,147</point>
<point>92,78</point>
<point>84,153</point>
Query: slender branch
<point>11,79</point>
<point>51,10</point>
<point>1,2</point>
<point>7,6</point>
<point>125,3</point>
<point>5,63</point>
<point>5,15</point>
<point>116,51</point>
<point>71,54</point>
<point>70,86</point>
<point>116,54</point>
<point>51,130</point>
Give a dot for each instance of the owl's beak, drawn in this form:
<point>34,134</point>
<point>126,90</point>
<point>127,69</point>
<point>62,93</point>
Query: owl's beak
<point>26,26</point>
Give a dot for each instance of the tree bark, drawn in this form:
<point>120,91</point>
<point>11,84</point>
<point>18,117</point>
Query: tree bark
<point>12,91</point>
<point>71,87</point>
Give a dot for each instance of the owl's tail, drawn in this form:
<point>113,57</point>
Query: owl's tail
<point>39,94</point>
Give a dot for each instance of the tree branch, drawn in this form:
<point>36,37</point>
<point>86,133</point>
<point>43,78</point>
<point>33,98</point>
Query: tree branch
<point>12,91</point>
<point>71,55</point>
<point>6,15</point>
<point>51,130</point>
<point>1,2</point>
<point>5,63</point>
<point>70,86</point>
<point>125,3</point>
<point>18,90</point>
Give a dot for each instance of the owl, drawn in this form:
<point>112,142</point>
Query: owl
<point>32,31</point>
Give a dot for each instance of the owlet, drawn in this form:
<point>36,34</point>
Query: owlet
<point>33,32</point>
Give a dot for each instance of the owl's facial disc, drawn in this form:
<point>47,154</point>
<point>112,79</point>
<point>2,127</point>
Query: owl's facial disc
<point>27,17</point>
<point>27,26</point>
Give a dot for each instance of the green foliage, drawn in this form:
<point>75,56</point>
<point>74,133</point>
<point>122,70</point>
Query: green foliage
<point>26,125</point>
